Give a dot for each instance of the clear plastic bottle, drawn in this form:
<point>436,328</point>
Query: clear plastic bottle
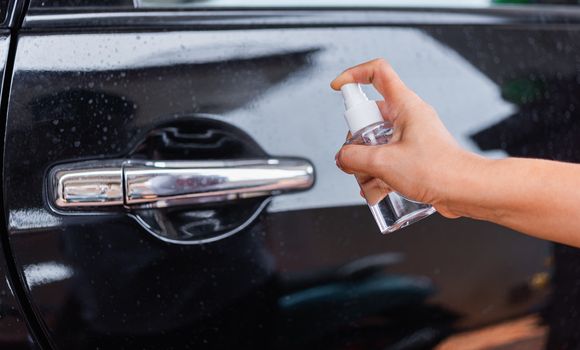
<point>391,211</point>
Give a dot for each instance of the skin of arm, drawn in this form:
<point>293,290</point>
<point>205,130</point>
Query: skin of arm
<point>424,163</point>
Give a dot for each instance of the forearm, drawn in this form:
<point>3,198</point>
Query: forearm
<point>537,197</point>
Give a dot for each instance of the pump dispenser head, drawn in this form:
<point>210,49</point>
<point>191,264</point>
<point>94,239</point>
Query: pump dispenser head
<point>360,112</point>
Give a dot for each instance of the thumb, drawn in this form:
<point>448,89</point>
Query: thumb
<point>363,159</point>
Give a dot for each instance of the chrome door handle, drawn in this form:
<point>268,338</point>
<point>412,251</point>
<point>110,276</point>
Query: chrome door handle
<point>160,184</point>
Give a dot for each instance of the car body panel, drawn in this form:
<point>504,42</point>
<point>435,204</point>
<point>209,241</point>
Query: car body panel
<point>312,270</point>
<point>14,330</point>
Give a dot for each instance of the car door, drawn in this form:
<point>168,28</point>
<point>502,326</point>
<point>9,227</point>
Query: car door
<point>120,98</point>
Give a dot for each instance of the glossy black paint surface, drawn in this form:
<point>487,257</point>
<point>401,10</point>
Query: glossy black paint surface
<point>80,4</point>
<point>14,333</point>
<point>312,271</point>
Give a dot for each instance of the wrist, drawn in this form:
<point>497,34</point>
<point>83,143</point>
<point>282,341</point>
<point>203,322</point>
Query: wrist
<point>463,180</point>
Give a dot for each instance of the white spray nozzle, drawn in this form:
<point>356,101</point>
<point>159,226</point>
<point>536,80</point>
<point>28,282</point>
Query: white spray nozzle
<point>360,112</point>
<point>352,95</point>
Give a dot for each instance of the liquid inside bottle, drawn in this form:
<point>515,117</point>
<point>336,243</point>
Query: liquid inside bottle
<point>390,210</point>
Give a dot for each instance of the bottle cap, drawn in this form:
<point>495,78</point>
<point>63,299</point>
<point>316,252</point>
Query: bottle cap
<point>360,112</point>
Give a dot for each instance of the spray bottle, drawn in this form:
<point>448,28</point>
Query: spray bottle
<point>367,126</point>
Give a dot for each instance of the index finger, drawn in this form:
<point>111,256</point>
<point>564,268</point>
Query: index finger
<point>379,73</point>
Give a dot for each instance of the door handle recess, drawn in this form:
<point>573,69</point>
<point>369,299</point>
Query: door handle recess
<point>162,184</point>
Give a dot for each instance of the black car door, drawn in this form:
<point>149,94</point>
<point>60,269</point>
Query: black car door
<point>113,94</point>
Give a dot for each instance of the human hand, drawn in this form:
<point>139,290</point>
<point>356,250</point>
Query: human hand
<point>421,162</point>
